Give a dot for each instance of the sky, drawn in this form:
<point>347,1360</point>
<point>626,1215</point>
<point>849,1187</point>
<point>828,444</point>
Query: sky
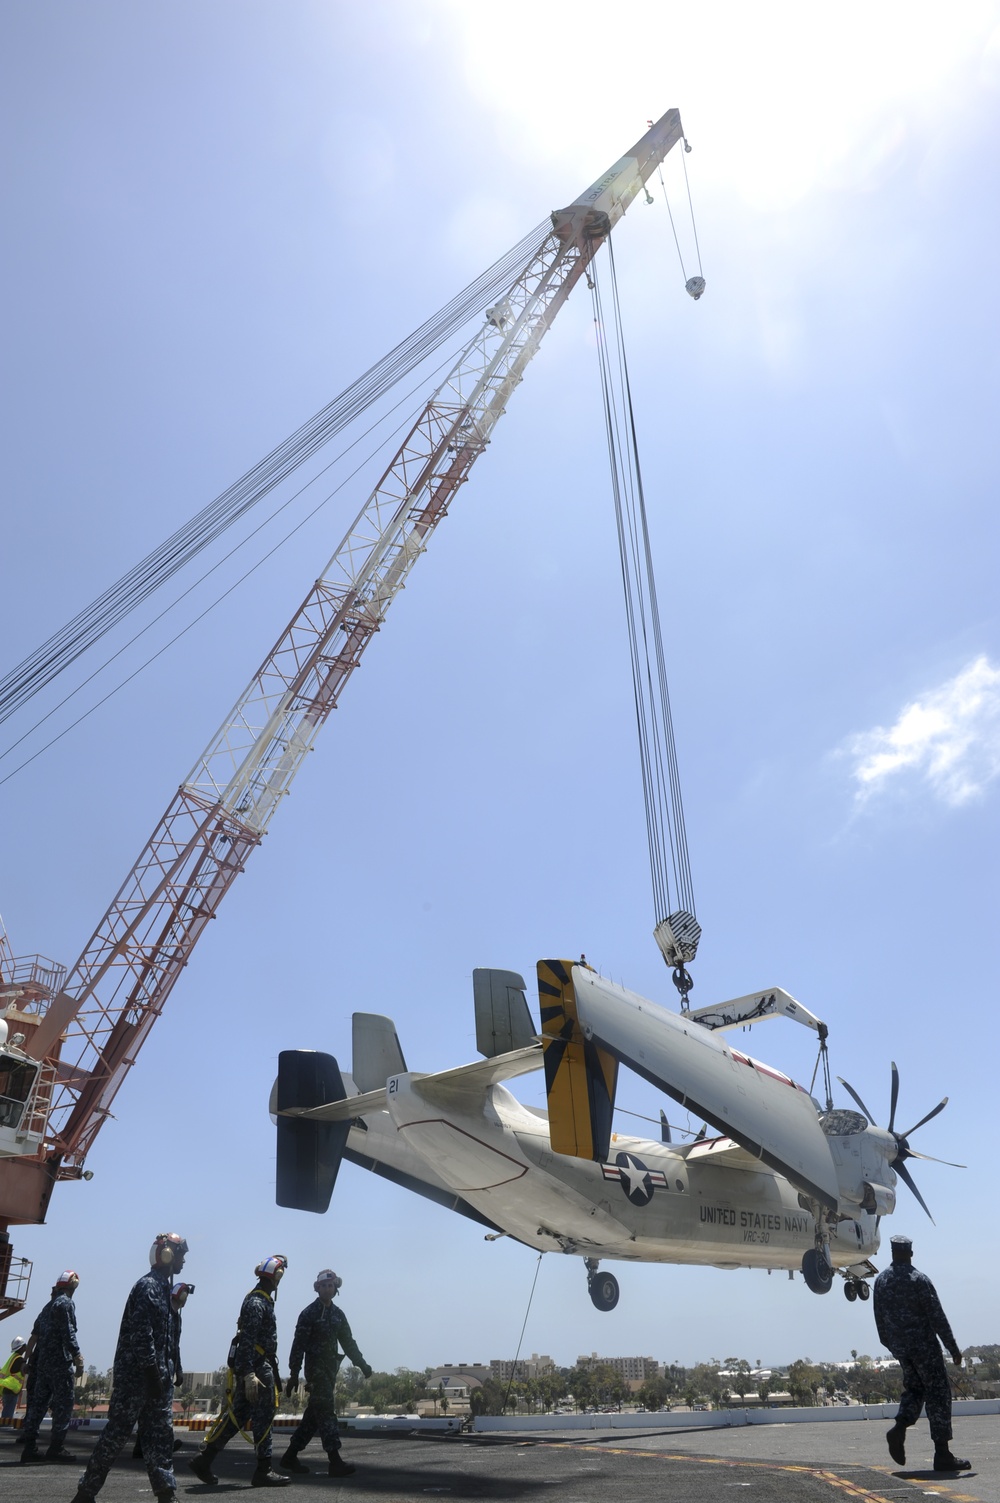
<point>217,217</point>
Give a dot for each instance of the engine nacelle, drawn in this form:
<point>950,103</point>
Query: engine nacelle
<point>878,1200</point>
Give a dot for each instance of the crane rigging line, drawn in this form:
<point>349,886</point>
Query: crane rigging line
<point>664,808</point>
<point>48,660</point>
<point>400,428</point>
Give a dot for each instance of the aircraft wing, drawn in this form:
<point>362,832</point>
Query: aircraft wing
<point>763,1111</point>
<point>461,1084</point>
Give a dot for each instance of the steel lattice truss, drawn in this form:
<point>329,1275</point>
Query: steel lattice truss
<point>118,987</point>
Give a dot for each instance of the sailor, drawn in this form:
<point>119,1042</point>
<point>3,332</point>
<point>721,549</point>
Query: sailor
<point>146,1366</point>
<point>178,1299</point>
<point>910,1319</point>
<point>253,1383</point>
<point>50,1358</point>
<point>12,1378</point>
<point>320,1331</point>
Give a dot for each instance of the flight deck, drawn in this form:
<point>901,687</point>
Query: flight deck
<point>796,1463</point>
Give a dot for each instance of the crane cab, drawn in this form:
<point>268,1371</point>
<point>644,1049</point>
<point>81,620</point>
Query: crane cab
<point>25,1096</point>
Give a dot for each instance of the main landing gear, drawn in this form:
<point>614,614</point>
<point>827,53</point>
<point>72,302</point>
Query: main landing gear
<point>602,1287</point>
<point>816,1270</point>
<point>856,1289</point>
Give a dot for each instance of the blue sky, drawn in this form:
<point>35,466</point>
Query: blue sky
<point>217,217</point>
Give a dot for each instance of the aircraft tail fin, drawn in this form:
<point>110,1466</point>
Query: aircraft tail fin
<point>580,1078</point>
<point>503,1021</point>
<point>309,1152</point>
<point>376,1054</point>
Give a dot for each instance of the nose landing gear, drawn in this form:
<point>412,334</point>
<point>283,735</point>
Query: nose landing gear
<point>602,1287</point>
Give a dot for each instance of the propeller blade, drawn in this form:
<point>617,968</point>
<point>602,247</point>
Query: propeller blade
<point>664,1127</point>
<point>939,1108</point>
<point>907,1179</point>
<point>894,1096</point>
<point>932,1160</point>
<point>853,1093</point>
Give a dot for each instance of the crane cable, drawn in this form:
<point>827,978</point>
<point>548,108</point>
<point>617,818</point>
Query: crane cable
<point>664,808</point>
<point>695,286</point>
<point>224,595</point>
<point>108,609</point>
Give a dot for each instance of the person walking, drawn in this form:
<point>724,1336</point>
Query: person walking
<point>909,1319</point>
<point>147,1363</point>
<point>253,1383</point>
<point>320,1331</point>
<point>12,1378</point>
<point>51,1358</point>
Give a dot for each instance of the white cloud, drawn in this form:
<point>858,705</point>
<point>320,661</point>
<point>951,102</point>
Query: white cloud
<point>948,740</point>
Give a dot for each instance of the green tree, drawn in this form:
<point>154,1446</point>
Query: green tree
<point>488,1398</point>
<point>803,1382</point>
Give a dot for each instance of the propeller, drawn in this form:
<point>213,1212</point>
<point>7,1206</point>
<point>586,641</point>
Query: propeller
<point>903,1149</point>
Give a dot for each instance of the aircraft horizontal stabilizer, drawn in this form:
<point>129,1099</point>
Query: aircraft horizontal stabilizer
<point>580,1078</point>
<point>309,1152</point>
<point>463,1085</point>
<point>763,1111</point>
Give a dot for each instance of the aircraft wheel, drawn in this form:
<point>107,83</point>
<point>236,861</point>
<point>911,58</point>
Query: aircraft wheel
<point>604,1291</point>
<point>850,1291</point>
<point>864,1290</point>
<point>816,1271</point>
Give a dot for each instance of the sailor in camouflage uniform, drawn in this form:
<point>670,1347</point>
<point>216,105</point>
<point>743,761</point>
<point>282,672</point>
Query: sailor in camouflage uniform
<point>253,1382</point>
<point>319,1332</point>
<point>51,1356</point>
<point>146,1366</point>
<point>910,1319</point>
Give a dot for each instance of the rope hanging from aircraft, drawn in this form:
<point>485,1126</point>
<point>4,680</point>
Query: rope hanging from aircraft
<point>677,930</point>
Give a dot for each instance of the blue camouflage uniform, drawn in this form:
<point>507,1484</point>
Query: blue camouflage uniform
<point>254,1350</point>
<point>146,1367</point>
<point>50,1372</point>
<point>319,1333</point>
<point>910,1319</point>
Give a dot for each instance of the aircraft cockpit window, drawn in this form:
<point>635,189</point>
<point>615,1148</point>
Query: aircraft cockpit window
<point>842,1123</point>
<point>17,1077</point>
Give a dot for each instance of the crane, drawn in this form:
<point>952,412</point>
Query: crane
<point>73,1035</point>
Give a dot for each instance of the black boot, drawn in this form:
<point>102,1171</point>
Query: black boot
<point>31,1455</point>
<point>265,1477</point>
<point>895,1439</point>
<point>62,1457</point>
<point>201,1465</point>
<point>944,1461</point>
<point>290,1463</point>
<point>339,1467</point>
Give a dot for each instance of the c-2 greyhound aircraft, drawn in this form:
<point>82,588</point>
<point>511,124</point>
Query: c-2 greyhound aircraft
<point>787,1185</point>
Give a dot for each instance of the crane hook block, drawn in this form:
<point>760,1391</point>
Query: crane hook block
<point>694,287</point>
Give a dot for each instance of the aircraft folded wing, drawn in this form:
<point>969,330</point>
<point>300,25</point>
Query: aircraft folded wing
<point>469,1082</point>
<point>763,1111</point>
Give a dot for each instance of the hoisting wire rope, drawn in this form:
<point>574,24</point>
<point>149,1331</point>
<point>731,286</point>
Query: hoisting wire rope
<point>693,285</point>
<point>104,613</point>
<point>677,929</point>
<point>520,1339</point>
<point>400,428</point>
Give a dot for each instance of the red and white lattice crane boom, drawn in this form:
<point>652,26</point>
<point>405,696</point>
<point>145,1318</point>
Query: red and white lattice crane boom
<point>82,1032</point>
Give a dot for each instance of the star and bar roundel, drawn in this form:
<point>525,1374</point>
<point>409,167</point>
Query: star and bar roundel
<point>636,1180</point>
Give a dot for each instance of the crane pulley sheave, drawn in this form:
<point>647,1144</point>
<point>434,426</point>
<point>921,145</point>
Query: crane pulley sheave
<point>93,1028</point>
